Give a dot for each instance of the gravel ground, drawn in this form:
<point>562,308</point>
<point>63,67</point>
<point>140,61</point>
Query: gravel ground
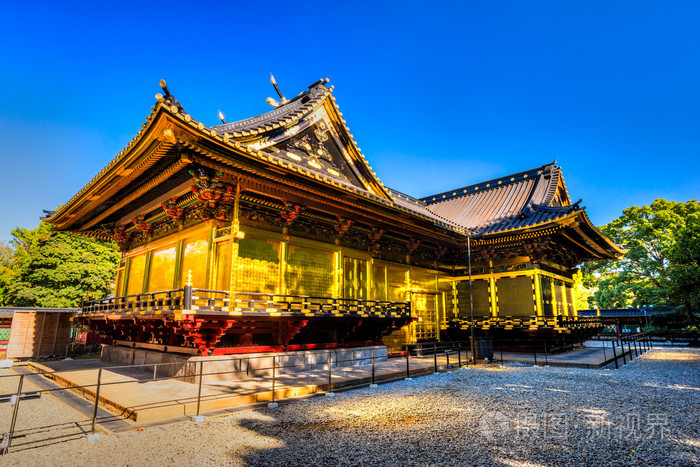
<point>40,422</point>
<point>644,413</point>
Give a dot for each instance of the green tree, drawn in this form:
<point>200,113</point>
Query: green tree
<point>7,273</point>
<point>683,280</point>
<point>55,269</point>
<point>649,271</point>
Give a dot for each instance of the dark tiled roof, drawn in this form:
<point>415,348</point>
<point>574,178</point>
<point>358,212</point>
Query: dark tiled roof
<point>512,202</point>
<point>295,108</point>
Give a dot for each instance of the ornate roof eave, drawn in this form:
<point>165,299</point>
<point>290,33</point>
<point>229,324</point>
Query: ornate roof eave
<point>253,134</point>
<point>551,226</point>
<point>271,160</point>
<point>118,167</point>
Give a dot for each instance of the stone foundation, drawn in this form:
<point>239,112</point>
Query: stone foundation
<point>238,367</point>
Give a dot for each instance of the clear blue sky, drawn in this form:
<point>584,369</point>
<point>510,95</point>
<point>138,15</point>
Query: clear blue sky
<point>438,94</point>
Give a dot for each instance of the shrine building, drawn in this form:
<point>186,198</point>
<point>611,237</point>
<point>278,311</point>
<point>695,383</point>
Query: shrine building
<point>273,233</point>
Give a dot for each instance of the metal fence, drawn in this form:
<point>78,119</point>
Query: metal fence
<point>271,374</point>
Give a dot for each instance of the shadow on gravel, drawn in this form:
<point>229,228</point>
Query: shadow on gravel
<point>643,413</point>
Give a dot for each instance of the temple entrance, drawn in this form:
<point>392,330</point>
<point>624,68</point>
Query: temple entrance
<point>424,306</point>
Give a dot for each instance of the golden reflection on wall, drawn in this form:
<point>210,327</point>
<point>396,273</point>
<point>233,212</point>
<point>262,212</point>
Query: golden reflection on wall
<point>397,284</point>
<point>258,265</point>
<point>162,269</point>
<point>379,282</point>
<point>222,266</point>
<point>194,261</point>
<point>137,266</point>
<point>309,272</point>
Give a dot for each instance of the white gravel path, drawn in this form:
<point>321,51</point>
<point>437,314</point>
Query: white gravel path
<point>644,413</point>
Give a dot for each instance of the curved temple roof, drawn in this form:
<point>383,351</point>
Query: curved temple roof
<point>515,201</point>
<point>307,135</point>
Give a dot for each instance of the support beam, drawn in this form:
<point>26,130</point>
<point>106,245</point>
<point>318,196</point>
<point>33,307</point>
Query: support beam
<point>539,310</point>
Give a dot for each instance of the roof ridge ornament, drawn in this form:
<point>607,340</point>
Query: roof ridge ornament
<point>272,101</point>
<point>169,99</point>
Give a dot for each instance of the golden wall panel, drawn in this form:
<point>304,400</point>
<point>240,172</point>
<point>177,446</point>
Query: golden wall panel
<point>161,273</point>
<point>137,267</point>
<point>480,294</point>
<point>222,266</point>
<point>309,271</point>
<point>194,261</point>
<point>258,265</point>
<point>515,296</point>
<point>355,283</point>
<point>379,282</point>
<point>397,284</point>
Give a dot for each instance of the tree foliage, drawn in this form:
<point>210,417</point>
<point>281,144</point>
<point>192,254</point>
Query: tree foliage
<point>55,269</point>
<point>660,267</point>
<point>683,282</point>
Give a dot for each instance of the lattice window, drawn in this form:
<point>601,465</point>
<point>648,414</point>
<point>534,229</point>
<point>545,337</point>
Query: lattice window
<point>424,307</point>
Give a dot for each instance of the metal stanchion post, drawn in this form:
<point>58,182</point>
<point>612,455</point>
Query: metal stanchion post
<point>629,348</point>
<point>408,368</point>
<point>97,399</point>
<point>199,390</point>
<point>459,357</point>
<point>330,375</point>
<point>274,370</point>
<point>605,358</point>
<point>373,366</point>
<point>615,355</point>
<point>622,348</point>
<point>15,411</point>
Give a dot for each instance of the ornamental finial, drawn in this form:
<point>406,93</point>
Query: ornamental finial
<point>272,101</point>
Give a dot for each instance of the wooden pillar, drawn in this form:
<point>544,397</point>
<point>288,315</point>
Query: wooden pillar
<point>493,291</point>
<point>236,235</point>
<point>179,253</point>
<point>338,272</point>
<point>574,311</point>
<point>564,300</point>
<point>284,248</point>
<point>146,272</point>
<point>554,297</point>
<point>210,277</point>
<point>539,308</point>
